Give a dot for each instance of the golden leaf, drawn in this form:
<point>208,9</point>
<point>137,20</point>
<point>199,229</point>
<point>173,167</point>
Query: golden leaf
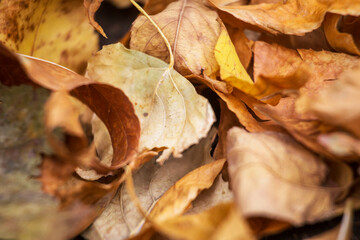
<point>49,29</point>
<point>289,17</point>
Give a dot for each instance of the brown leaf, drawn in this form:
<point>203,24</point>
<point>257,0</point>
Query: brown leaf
<point>227,120</point>
<point>336,104</point>
<point>91,7</point>
<point>242,45</point>
<point>290,17</point>
<point>103,99</point>
<point>340,41</point>
<point>155,6</point>
<point>192,30</point>
<point>325,66</point>
<point>53,30</point>
<point>80,201</point>
<point>262,187</point>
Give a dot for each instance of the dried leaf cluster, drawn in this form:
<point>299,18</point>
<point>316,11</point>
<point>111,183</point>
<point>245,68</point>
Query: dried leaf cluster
<point>123,145</point>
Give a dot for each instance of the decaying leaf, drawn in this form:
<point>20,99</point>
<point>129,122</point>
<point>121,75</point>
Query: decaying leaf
<point>53,30</point>
<point>262,186</point>
<point>172,114</point>
<point>192,30</point>
<point>290,17</point>
<point>121,217</point>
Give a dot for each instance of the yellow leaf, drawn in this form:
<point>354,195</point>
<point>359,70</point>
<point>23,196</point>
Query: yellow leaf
<point>178,198</point>
<point>231,69</point>
<point>53,30</point>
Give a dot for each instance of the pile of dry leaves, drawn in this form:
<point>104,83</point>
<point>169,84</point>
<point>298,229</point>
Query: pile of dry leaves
<point>123,145</point>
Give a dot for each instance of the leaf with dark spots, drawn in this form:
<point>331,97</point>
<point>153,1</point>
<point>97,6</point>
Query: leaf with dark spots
<point>53,30</point>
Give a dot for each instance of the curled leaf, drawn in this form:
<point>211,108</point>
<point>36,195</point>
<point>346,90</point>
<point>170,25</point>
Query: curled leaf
<point>103,99</point>
<point>340,41</point>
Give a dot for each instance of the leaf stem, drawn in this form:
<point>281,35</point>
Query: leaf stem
<point>171,64</point>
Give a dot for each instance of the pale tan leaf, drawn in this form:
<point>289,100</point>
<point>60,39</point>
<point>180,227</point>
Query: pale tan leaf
<point>172,115</point>
<point>273,176</point>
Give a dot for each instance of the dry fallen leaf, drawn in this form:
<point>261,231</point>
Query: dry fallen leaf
<point>80,201</point>
<point>325,66</point>
<point>328,105</point>
<point>271,64</point>
<point>290,17</point>
<point>121,217</point>
<point>108,102</point>
<point>220,222</point>
<point>192,30</point>
<point>172,115</point>
<point>53,30</point>
<point>340,41</point>
<point>262,186</point>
